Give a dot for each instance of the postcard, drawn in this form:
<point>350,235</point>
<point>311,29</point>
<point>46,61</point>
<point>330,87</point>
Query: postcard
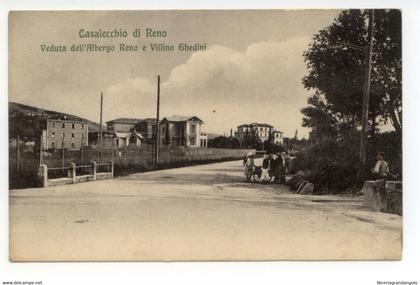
<point>205,135</point>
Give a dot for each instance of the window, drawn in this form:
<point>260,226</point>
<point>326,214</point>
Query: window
<point>52,134</point>
<point>72,136</point>
<point>193,128</point>
<point>83,126</point>
<point>53,124</point>
<point>62,144</point>
<point>52,145</point>
<point>192,141</point>
<point>133,140</point>
<point>63,125</point>
<point>72,145</point>
<point>72,126</point>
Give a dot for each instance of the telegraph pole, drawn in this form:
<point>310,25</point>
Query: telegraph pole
<point>366,91</point>
<point>157,123</point>
<point>100,130</point>
<point>17,153</point>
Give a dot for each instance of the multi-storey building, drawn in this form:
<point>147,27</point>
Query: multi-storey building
<point>254,132</point>
<point>61,133</point>
<point>277,137</point>
<point>147,128</point>
<point>180,131</point>
<point>122,125</point>
<point>124,131</point>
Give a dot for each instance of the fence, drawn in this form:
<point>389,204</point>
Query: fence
<point>23,172</point>
<point>75,173</point>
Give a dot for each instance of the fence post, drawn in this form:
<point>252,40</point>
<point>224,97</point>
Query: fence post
<point>94,169</point>
<point>43,173</point>
<point>112,168</point>
<point>73,171</point>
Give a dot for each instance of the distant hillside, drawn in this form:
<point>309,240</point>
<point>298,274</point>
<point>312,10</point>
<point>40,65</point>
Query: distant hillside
<point>35,111</point>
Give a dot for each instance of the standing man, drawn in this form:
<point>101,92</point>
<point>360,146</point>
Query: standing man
<point>381,169</point>
<point>265,176</point>
<point>274,168</point>
<point>249,165</point>
<point>282,168</point>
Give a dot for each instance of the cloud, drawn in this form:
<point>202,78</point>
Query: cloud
<point>226,87</point>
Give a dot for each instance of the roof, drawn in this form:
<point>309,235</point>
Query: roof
<point>261,125</point>
<point>64,119</point>
<point>125,121</point>
<point>148,120</point>
<point>104,131</point>
<point>124,135</point>
<point>177,118</point>
<point>256,125</point>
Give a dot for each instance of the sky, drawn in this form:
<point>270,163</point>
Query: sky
<point>251,70</point>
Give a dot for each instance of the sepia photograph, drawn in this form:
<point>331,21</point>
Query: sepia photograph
<point>205,135</point>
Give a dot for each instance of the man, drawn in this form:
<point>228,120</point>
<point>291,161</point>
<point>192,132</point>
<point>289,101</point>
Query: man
<point>283,168</point>
<point>274,168</point>
<point>381,169</point>
<point>249,165</point>
<point>265,176</point>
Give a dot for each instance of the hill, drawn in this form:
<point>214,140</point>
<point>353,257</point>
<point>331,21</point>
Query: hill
<point>43,113</point>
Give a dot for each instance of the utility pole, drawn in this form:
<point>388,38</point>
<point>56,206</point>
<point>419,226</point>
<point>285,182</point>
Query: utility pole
<point>157,123</point>
<point>62,152</point>
<point>81,150</point>
<point>17,153</point>
<point>366,91</point>
<point>41,159</point>
<point>100,130</point>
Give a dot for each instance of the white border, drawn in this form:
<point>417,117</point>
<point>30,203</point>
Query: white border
<point>234,272</point>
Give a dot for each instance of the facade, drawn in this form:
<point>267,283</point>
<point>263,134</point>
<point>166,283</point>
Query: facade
<point>108,139</point>
<point>203,140</point>
<point>180,131</point>
<point>61,133</point>
<point>123,139</point>
<point>253,132</point>
<point>147,128</point>
<point>124,125</point>
<point>277,137</point>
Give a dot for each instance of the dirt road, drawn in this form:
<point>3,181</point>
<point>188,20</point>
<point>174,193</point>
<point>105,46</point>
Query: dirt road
<point>204,212</point>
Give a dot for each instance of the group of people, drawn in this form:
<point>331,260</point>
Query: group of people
<point>274,167</point>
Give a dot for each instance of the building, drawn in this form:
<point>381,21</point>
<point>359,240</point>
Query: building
<point>147,128</point>
<point>277,137</point>
<point>124,125</point>
<point>61,133</point>
<point>180,131</point>
<point>125,133</point>
<point>123,139</point>
<point>108,138</point>
<point>254,132</point>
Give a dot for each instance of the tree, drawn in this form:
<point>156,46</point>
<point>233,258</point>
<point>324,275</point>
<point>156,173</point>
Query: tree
<point>225,142</point>
<point>336,72</point>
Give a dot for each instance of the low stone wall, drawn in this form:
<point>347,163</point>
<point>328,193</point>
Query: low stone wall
<point>73,177</point>
<point>383,196</point>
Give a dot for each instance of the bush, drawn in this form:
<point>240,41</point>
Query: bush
<point>333,165</point>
